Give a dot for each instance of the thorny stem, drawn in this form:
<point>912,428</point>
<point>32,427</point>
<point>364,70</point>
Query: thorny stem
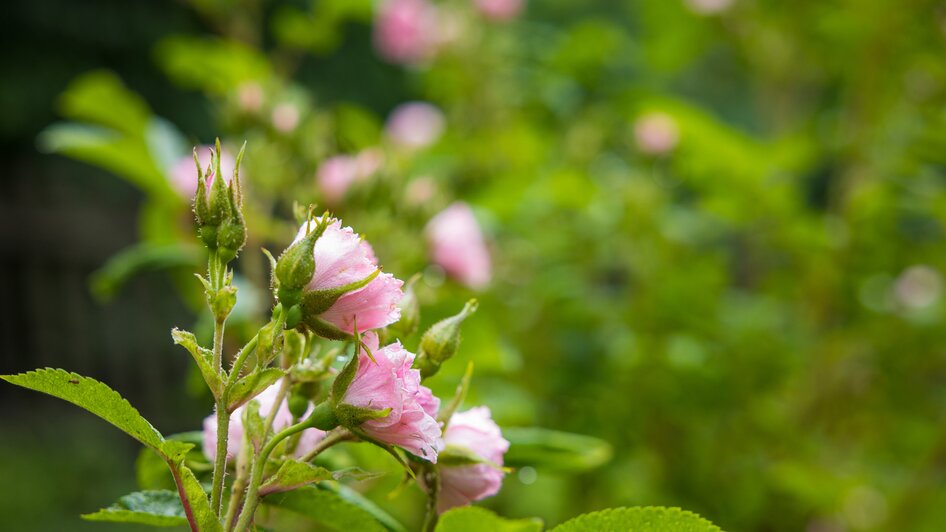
<point>223,416</point>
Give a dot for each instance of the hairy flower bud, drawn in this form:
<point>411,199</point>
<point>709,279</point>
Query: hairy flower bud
<point>296,265</point>
<point>219,212</point>
<point>442,340</point>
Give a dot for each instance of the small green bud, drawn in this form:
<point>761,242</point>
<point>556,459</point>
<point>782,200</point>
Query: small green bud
<point>298,402</point>
<point>293,317</point>
<point>271,341</point>
<point>442,341</point>
<point>222,301</point>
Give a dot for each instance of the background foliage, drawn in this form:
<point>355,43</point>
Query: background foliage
<point>752,320</point>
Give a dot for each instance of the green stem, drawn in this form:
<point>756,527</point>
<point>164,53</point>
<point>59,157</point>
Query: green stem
<point>252,493</point>
<point>322,417</point>
<point>336,436</point>
<point>432,480</point>
<point>220,462</point>
<point>239,485</point>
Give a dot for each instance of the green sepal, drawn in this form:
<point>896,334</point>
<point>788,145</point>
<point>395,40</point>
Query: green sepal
<point>203,357</point>
<point>315,302</point>
<point>252,385</point>
<point>353,416</point>
<point>219,194</point>
<point>344,378</point>
<point>253,423</point>
<point>271,340</point>
<point>322,328</point>
<point>323,417</point>
<point>222,301</point>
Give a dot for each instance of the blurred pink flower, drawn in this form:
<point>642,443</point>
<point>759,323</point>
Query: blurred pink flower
<point>250,97</point>
<point>390,382</point>
<point>500,10</point>
<point>708,7</point>
<point>405,31</point>
<point>338,173</point>
<point>285,117</point>
<point>420,191</point>
<point>475,431</point>
<point>457,245</point>
<point>415,125</point>
<point>308,440</point>
<point>184,172</point>
<point>656,133</point>
<point>342,257</point>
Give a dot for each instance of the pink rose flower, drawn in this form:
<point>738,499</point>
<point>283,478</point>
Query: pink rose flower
<point>285,117</point>
<point>473,430</point>
<point>656,133</point>
<point>415,125</point>
<point>458,246</point>
<point>342,257</point>
<point>500,10</point>
<point>184,172</point>
<point>390,382</point>
<point>337,174</point>
<point>708,7</point>
<point>405,31</point>
<point>307,442</point>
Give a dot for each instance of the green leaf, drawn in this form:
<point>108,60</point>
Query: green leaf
<point>552,450</point>
<point>215,66</point>
<point>638,519</point>
<point>475,519</point>
<point>93,396</point>
<point>100,97</point>
<point>202,356</point>
<point>151,468</point>
<point>140,258</point>
<point>293,474</point>
<point>196,497</point>
<point>351,496</point>
<point>252,385</point>
<point>328,509</point>
<point>153,507</point>
<point>126,157</point>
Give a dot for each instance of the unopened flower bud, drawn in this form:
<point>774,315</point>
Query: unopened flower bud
<point>442,340</point>
<point>219,213</point>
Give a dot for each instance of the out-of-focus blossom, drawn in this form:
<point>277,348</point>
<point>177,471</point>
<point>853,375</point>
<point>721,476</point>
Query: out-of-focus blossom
<point>283,418</point>
<point>500,10</point>
<point>405,31</point>
<point>415,125</point>
<point>184,172</point>
<point>389,382</point>
<point>337,174</point>
<point>708,7</point>
<point>420,191</point>
<point>342,257</point>
<point>918,287</point>
<point>250,97</point>
<point>457,245</point>
<point>285,117</point>
<point>475,432</point>
<point>656,133</point>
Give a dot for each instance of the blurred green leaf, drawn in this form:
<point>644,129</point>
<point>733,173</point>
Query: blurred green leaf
<point>553,450</point>
<point>475,519</point>
<point>99,97</point>
<point>212,65</point>
<point>328,509</point>
<point>108,280</point>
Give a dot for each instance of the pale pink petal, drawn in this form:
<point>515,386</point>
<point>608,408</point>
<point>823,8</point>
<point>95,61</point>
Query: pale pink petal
<point>415,125</point>
<point>341,256</point>
<point>500,10</point>
<point>335,176</point>
<point>406,31</point>
<point>476,431</point>
<point>372,307</point>
<point>460,486</point>
<point>457,245</point>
